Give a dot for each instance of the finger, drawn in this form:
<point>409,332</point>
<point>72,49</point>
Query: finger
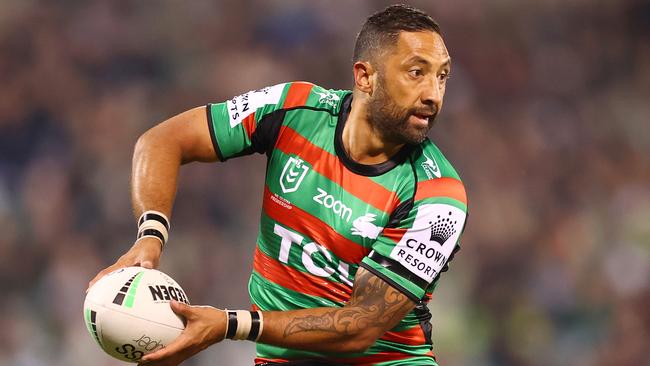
<point>101,274</point>
<point>180,344</point>
<point>147,256</point>
<point>147,264</point>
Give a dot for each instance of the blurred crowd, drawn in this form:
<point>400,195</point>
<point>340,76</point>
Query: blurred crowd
<point>546,118</point>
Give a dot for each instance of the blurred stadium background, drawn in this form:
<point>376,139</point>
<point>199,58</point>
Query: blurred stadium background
<point>546,118</point>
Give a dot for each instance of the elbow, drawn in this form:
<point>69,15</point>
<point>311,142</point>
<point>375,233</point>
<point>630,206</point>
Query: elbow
<point>146,141</point>
<point>360,342</point>
<point>158,140</point>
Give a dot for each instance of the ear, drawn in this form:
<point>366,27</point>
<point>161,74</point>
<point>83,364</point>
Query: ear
<point>364,77</point>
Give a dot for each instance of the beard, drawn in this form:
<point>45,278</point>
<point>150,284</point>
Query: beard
<point>392,121</point>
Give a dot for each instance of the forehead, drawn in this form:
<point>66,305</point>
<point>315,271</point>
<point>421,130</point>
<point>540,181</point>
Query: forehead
<point>426,45</point>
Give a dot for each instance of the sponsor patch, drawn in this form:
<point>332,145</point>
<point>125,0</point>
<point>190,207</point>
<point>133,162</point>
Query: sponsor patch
<point>425,248</point>
<point>327,200</point>
<point>246,104</point>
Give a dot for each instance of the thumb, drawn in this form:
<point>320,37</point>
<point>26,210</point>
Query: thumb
<point>146,264</point>
<point>181,308</point>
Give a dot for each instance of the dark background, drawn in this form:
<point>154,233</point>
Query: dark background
<point>546,119</point>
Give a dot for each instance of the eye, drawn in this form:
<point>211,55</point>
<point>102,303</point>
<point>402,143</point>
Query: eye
<point>443,76</point>
<point>415,73</point>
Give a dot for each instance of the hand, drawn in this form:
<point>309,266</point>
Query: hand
<point>205,326</point>
<point>144,253</point>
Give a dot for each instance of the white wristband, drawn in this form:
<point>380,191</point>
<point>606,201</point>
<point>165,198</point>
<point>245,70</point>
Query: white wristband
<point>153,224</point>
<point>243,324</point>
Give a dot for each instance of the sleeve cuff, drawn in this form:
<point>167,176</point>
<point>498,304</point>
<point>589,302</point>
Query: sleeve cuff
<point>384,269</point>
<point>213,133</point>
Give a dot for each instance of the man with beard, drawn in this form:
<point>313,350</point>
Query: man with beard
<point>361,212</point>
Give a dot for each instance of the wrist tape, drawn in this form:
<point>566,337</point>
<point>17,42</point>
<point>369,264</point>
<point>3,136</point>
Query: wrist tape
<point>153,224</point>
<point>243,324</point>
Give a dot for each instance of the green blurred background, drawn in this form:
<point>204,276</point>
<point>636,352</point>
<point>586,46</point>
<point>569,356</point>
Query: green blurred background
<point>547,119</point>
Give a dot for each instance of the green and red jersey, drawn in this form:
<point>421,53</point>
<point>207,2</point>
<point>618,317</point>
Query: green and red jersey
<point>325,215</point>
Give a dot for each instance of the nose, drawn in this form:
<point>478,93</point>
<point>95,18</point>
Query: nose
<point>432,92</point>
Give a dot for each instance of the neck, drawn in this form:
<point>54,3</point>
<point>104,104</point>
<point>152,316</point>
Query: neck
<point>361,141</point>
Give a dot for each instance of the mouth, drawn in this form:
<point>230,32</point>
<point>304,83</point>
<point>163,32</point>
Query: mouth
<point>423,120</point>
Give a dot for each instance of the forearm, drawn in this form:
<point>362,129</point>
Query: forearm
<point>346,329</point>
<point>159,154</point>
<point>156,162</point>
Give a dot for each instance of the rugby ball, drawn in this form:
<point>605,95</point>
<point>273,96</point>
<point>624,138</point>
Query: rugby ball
<point>127,312</point>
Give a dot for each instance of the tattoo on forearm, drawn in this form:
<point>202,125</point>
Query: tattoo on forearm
<point>374,303</point>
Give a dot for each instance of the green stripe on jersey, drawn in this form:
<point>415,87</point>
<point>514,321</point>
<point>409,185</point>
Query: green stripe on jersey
<point>320,129</point>
<point>271,296</point>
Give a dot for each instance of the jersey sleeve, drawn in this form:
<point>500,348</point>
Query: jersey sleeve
<point>421,240</point>
<point>248,123</point>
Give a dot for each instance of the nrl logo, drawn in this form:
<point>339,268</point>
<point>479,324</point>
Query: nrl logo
<point>430,167</point>
<point>292,175</point>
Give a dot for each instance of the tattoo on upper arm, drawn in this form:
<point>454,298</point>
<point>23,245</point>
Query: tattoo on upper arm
<point>374,303</point>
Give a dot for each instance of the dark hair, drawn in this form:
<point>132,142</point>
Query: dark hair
<point>382,29</point>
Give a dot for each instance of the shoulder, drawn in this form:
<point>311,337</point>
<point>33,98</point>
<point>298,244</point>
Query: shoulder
<point>308,95</point>
<point>256,104</point>
<point>436,176</point>
<point>431,163</point>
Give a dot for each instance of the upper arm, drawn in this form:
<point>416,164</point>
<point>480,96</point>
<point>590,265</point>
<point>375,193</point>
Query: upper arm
<point>188,132</point>
<point>242,125</point>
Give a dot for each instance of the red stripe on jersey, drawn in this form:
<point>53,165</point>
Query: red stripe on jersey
<point>302,282</point>
<point>259,360</point>
<point>394,233</point>
<point>249,125</point>
<point>413,336</point>
<point>328,165</point>
<point>442,187</point>
<point>314,228</point>
<point>297,94</point>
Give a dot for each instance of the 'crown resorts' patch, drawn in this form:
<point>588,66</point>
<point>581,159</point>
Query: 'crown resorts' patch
<point>425,248</point>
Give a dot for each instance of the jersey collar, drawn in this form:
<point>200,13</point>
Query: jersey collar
<point>368,170</point>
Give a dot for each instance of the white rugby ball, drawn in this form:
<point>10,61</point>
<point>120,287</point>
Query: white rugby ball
<point>127,312</point>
